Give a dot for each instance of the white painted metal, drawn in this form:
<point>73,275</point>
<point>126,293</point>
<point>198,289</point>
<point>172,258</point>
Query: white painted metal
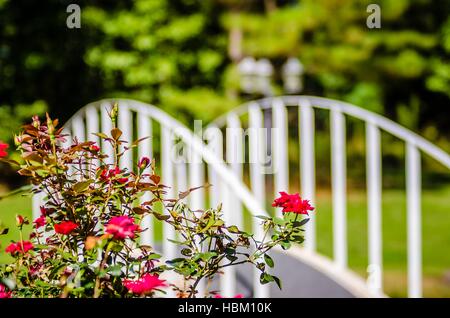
<point>257,143</point>
<point>78,128</point>
<point>280,148</point>
<point>218,170</point>
<point>413,191</point>
<point>257,146</point>
<point>181,176</point>
<point>235,158</point>
<point>36,203</point>
<point>197,197</point>
<point>233,207</point>
<point>307,167</point>
<point>126,126</point>
<point>167,176</point>
<point>356,112</point>
<point>214,139</point>
<point>92,126</point>
<point>374,186</point>
<point>145,150</point>
<point>196,179</point>
<point>169,249</point>
<point>105,108</point>
<point>228,278</point>
<point>338,185</point>
<point>68,139</point>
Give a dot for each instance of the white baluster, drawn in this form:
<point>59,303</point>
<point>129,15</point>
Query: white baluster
<point>280,148</point>
<point>78,130</point>
<point>66,144</point>
<point>169,248</point>
<point>37,202</point>
<point>107,148</point>
<point>228,278</point>
<point>257,146</point>
<point>197,197</point>
<point>373,160</point>
<point>126,126</point>
<point>235,158</point>
<point>145,150</point>
<point>413,190</point>
<point>214,137</point>
<point>339,187</point>
<point>93,123</point>
<point>215,144</point>
<point>307,168</point>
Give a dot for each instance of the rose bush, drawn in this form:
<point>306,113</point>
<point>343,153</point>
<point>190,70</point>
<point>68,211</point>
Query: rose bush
<point>85,243</point>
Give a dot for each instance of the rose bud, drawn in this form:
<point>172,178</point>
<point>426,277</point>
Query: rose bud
<point>20,220</point>
<point>144,163</point>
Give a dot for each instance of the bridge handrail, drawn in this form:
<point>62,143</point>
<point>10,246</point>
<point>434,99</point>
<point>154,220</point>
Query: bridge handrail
<point>351,110</point>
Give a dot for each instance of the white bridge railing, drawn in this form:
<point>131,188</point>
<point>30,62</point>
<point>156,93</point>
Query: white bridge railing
<point>207,164</point>
<point>275,109</point>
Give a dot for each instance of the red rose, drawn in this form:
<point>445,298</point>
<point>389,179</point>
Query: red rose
<point>292,203</point>
<point>143,285</point>
<point>19,248</point>
<point>39,222</point>
<point>94,148</point>
<point>20,220</point>
<point>3,148</point>
<point>65,227</point>
<point>111,175</point>
<point>11,248</point>
<point>121,227</point>
<point>4,293</point>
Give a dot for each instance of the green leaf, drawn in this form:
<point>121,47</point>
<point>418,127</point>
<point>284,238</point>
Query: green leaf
<point>298,239</point>
<point>210,223</point>
<point>277,281</point>
<point>265,278</point>
<point>161,217</point>
<point>205,256</point>
<point>101,135</point>
<point>117,248</point>
<point>285,245</point>
<point>82,186</point>
<point>233,229</point>
<point>3,229</point>
<point>115,270</point>
<point>231,258</point>
<point>176,242</point>
<point>154,256</point>
<point>300,223</point>
<point>175,261</point>
<point>268,260</point>
<point>263,217</point>
<point>186,252</point>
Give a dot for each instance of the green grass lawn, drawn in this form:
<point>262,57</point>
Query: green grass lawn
<point>436,235</point>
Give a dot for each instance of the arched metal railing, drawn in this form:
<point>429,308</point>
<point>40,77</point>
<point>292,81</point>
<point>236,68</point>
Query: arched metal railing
<point>275,109</point>
<point>207,164</point>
